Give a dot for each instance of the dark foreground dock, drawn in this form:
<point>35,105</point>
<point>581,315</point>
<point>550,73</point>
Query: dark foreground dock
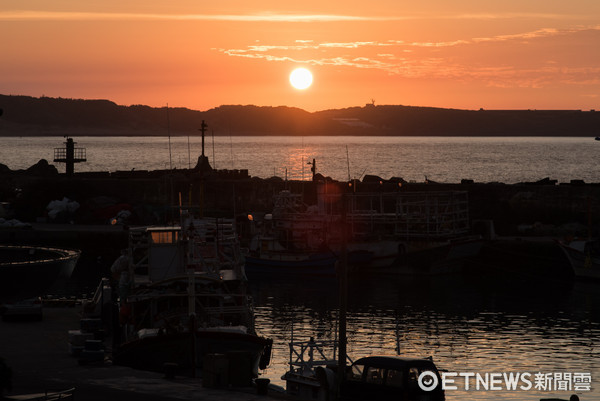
<point>38,355</point>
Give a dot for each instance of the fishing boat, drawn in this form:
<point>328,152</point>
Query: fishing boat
<point>397,233</point>
<point>269,256</point>
<point>391,378</point>
<point>160,328</point>
<point>289,241</point>
<point>584,257</point>
<point>313,375</point>
<point>184,301</point>
<point>30,271</point>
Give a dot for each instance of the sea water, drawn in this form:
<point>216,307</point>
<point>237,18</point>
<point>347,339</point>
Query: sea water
<point>468,325</point>
<point>506,324</point>
<point>443,159</point>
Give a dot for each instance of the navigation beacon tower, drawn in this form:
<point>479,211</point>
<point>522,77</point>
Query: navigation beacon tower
<point>69,155</point>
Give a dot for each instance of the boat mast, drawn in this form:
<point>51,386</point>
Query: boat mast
<point>343,283</point>
<point>192,316</point>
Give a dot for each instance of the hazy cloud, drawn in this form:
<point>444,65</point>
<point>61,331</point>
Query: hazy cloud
<point>262,17</point>
<point>40,15</point>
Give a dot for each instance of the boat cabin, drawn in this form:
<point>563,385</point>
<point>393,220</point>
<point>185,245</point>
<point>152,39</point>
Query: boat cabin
<point>198,245</point>
<point>390,378</point>
<point>166,253</point>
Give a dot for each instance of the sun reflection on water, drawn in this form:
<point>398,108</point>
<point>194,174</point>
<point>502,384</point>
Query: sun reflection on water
<point>465,328</point>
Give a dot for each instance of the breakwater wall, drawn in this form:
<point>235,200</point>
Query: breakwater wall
<point>540,208</point>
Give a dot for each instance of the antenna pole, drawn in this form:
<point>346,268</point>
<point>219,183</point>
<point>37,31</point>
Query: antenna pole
<point>302,164</point>
<point>231,149</point>
<point>348,162</point>
<point>169,134</point>
<point>213,146</point>
<point>189,156</point>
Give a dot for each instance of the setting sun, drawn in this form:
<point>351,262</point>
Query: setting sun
<point>301,78</point>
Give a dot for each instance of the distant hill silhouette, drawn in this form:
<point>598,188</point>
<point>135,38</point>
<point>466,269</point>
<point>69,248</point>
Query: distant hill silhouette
<point>24,115</point>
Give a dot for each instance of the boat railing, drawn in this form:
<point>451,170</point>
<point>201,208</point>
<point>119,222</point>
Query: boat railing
<point>150,294</point>
<point>412,214</point>
<point>306,355</point>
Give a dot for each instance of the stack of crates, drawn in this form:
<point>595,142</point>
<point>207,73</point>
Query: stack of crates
<point>93,351</point>
<point>86,343</point>
<point>77,340</point>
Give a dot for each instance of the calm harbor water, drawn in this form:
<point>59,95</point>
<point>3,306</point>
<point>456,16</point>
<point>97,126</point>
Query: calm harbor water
<point>443,159</point>
<point>467,325</point>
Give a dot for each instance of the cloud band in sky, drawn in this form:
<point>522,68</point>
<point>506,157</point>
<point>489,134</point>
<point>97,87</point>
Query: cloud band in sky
<point>529,65</point>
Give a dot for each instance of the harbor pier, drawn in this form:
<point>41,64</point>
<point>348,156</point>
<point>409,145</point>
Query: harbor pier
<point>542,208</point>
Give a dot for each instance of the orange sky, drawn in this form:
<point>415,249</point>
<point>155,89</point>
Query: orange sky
<point>533,54</point>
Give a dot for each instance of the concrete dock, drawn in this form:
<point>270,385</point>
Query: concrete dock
<point>37,353</point>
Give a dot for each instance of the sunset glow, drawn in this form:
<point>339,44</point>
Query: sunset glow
<point>456,54</point>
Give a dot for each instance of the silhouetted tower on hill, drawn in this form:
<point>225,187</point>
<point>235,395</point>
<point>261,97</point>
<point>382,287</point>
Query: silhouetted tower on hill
<point>69,155</point>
